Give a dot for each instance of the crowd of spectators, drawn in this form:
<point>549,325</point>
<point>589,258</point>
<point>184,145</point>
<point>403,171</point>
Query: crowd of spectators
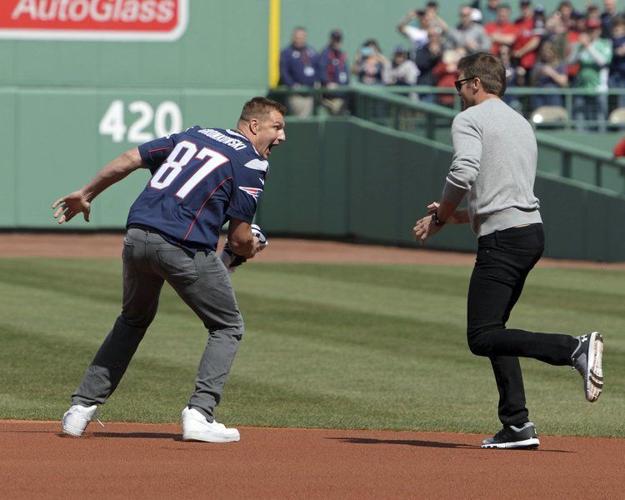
<point>564,48</point>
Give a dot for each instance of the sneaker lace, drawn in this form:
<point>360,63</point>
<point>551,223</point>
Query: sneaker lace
<point>96,416</point>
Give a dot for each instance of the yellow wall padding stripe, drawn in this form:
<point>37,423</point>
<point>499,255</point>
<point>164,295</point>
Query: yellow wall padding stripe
<point>274,43</point>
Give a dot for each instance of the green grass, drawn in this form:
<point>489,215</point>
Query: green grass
<point>337,346</point>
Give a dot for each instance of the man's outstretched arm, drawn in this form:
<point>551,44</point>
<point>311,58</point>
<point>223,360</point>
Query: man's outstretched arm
<point>80,201</point>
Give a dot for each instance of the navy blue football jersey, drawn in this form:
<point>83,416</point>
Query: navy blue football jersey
<point>201,178</point>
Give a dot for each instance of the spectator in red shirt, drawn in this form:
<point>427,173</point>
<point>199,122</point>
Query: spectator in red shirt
<point>619,149</point>
<point>577,27</point>
<point>502,31</point>
<point>525,47</point>
<point>446,73</point>
<point>593,12</point>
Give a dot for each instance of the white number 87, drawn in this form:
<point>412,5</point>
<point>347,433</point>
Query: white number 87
<point>170,169</point>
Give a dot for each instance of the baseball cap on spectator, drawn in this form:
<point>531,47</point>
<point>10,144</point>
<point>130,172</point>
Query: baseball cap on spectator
<point>539,9</point>
<point>525,3</point>
<point>476,15</point>
<point>336,35</point>
<point>400,50</point>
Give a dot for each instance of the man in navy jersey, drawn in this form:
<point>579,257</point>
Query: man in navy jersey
<point>201,178</point>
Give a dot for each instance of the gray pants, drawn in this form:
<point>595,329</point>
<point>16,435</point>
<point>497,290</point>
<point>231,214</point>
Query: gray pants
<point>203,282</point>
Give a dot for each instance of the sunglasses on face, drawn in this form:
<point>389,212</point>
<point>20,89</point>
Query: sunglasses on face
<point>459,83</point>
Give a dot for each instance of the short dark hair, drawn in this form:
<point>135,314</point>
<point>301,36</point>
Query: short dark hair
<point>258,107</point>
<point>488,68</point>
<point>618,21</point>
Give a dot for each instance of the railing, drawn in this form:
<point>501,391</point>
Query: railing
<point>576,102</point>
<point>389,108</point>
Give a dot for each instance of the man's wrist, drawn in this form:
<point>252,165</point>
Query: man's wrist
<point>436,220</point>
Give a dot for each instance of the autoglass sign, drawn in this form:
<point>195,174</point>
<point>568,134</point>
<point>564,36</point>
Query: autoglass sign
<point>93,19</point>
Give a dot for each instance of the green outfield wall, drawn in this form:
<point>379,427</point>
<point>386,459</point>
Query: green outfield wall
<point>350,178</point>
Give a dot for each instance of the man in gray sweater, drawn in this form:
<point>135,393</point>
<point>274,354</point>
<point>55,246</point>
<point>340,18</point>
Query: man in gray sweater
<point>494,165</point>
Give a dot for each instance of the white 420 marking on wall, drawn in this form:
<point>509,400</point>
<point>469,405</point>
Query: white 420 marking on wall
<point>146,123</point>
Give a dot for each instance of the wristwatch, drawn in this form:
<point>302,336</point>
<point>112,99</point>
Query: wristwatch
<point>436,221</point>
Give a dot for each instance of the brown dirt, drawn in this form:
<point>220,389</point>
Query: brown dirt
<point>90,246</point>
<point>147,461</point>
<point>150,461</point>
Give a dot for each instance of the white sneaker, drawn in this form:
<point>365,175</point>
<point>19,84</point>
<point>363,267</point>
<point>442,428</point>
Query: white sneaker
<point>195,427</point>
<point>76,419</point>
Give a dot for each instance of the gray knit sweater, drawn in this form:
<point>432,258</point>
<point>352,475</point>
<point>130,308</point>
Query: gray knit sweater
<point>495,161</point>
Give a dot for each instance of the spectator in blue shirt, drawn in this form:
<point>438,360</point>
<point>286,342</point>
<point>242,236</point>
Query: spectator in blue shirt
<point>334,72</point>
<point>427,58</point>
<point>608,18</point>
<point>617,66</point>
<point>299,68</point>
<point>333,64</point>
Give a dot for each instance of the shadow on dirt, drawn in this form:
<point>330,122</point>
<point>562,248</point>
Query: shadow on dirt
<point>430,444</point>
<point>134,435</point>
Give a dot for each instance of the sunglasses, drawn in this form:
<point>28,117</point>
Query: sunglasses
<point>459,83</point>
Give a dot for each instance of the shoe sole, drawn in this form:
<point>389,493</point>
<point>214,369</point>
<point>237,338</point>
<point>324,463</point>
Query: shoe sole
<point>197,436</point>
<point>593,381</point>
<point>527,443</point>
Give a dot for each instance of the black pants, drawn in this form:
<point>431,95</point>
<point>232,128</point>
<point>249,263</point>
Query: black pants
<point>504,259</point>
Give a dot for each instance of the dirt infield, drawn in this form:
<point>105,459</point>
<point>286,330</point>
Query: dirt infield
<point>148,461</point>
<point>280,250</point>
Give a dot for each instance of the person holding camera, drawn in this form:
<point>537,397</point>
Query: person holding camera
<point>371,67</point>
<point>414,26</point>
